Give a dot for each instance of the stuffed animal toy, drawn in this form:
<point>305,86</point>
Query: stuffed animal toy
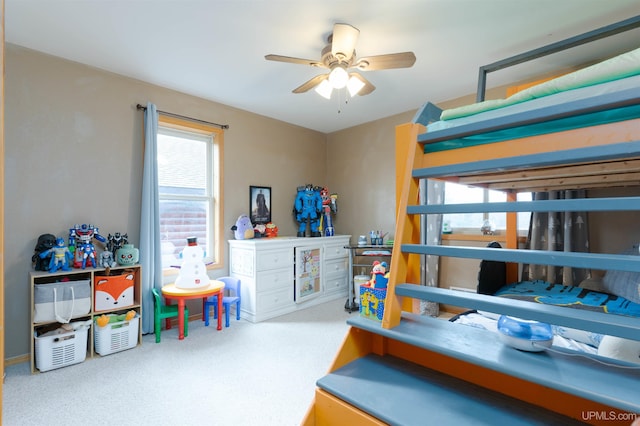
<point>272,230</point>
<point>104,320</point>
<point>379,275</point>
<point>243,229</point>
<point>259,230</point>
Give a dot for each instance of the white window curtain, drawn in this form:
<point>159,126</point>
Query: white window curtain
<point>150,254</point>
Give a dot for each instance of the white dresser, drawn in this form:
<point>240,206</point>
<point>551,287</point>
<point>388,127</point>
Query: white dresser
<point>284,274</point>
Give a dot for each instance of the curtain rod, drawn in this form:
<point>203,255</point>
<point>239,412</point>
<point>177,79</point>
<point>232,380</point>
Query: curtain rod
<point>170,114</point>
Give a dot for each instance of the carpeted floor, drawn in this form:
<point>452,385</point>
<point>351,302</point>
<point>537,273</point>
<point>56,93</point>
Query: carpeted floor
<point>247,374</point>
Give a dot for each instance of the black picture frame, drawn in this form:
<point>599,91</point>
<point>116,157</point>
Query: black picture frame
<point>260,204</point>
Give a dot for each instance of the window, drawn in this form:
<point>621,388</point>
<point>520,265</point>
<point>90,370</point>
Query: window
<point>189,169</point>
<point>471,222</point>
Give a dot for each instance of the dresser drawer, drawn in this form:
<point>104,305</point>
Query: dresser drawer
<point>275,300</point>
<point>274,259</point>
<point>275,280</point>
<point>335,251</point>
<point>338,266</point>
<point>336,283</point>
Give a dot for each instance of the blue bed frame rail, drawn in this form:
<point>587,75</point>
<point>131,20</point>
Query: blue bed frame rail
<point>597,34</point>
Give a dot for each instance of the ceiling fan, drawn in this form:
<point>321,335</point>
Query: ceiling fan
<point>339,56</point>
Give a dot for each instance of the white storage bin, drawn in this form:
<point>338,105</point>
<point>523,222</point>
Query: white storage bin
<point>116,336</point>
<point>61,350</point>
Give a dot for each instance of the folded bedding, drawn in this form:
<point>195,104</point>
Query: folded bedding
<point>618,67</point>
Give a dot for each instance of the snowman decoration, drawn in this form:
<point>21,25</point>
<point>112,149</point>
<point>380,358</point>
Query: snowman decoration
<point>193,272</point>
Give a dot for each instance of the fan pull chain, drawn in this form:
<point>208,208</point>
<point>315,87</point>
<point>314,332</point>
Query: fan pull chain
<point>346,99</point>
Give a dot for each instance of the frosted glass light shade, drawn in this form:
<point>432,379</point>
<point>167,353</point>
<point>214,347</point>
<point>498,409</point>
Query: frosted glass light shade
<point>338,77</point>
<point>324,89</point>
<point>354,85</point>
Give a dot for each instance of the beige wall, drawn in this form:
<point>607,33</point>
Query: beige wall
<point>74,155</point>
<point>361,169</point>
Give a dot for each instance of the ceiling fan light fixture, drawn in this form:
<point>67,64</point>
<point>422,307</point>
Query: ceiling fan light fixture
<point>324,89</point>
<point>338,77</point>
<point>354,85</point>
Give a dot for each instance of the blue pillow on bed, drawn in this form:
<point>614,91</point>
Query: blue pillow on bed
<point>624,283</point>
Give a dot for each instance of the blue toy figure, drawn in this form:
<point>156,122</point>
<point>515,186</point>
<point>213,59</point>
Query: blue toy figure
<point>80,244</point>
<point>308,208</point>
<point>60,256</point>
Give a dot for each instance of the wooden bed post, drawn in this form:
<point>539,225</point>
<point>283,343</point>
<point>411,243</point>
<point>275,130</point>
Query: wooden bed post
<point>405,268</point>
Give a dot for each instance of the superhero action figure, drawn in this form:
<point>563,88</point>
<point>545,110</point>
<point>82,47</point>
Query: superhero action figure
<point>60,256</point>
<point>329,206</point>
<point>308,208</point>
<point>80,244</point>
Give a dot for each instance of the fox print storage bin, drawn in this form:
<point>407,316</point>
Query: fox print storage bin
<point>113,291</point>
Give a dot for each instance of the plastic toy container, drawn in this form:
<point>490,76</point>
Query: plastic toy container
<point>116,336</point>
<point>61,350</point>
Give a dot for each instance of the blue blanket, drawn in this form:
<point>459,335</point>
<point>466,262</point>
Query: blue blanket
<point>570,296</point>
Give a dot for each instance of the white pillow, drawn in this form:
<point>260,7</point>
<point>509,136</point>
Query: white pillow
<point>619,348</point>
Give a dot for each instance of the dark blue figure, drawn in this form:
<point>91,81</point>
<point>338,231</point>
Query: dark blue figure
<point>308,208</point>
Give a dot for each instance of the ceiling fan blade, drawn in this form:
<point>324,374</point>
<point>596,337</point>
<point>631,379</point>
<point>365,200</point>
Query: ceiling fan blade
<point>311,83</point>
<point>343,41</point>
<point>291,60</point>
<point>385,62</point>
<point>367,88</point>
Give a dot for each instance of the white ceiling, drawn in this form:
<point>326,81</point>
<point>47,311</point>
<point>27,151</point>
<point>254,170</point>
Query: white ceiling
<point>214,49</point>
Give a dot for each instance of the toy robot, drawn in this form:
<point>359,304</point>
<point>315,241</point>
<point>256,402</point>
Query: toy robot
<point>308,208</point>
<point>83,248</point>
<point>107,260</point>
<point>329,206</point>
<point>116,241</point>
<point>60,256</point>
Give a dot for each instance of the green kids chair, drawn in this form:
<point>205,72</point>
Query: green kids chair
<point>166,312</point>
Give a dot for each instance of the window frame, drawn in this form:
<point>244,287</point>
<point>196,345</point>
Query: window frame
<point>467,230</point>
<point>215,165</point>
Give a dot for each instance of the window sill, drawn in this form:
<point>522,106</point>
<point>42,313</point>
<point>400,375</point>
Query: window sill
<point>478,237</point>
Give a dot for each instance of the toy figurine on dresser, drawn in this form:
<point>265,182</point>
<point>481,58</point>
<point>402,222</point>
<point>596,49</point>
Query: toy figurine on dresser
<point>308,209</point>
<point>329,207</point>
<point>193,271</point>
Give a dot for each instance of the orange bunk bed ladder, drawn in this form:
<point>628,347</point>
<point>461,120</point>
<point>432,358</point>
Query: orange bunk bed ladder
<point>405,267</point>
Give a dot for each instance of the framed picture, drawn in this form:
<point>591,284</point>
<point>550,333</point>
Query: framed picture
<point>260,204</point>
<point>308,261</point>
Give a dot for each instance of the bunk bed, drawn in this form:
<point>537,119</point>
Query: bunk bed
<point>414,369</point>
